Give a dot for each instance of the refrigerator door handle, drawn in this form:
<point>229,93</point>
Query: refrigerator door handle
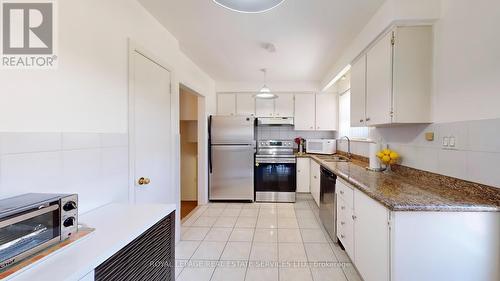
<point>210,168</point>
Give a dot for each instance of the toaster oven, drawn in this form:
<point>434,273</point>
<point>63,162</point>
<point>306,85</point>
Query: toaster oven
<point>32,222</point>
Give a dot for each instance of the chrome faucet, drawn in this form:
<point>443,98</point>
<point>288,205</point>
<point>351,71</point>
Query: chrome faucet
<point>349,155</point>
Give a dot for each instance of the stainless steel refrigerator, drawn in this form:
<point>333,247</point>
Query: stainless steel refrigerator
<point>231,158</point>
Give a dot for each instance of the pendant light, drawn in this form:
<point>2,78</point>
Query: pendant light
<point>249,6</point>
<point>265,92</point>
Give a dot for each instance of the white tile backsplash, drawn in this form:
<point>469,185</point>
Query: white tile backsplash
<point>452,163</point>
<point>80,140</point>
<point>93,165</point>
<point>475,156</point>
<point>11,143</point>
<point>31,172</point>
<point>288,133</point>
<point>483,167</point>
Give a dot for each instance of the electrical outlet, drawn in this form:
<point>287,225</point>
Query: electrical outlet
<point>452,142</point>
<point>446,141</point>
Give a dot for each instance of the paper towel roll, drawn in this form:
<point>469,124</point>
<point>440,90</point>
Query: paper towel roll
<point>374,162</point>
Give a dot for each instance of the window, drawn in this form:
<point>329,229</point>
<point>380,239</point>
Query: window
<point>345,119</point>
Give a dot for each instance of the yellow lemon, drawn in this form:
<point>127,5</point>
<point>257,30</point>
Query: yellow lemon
<point>386,159</point>
<point>394,155</point>
<point>386,151</point>
<point>380,155</point>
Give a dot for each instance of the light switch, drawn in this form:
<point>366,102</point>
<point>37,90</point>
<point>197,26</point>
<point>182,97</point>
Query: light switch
<point>446,141</point>
<point>451,142</point>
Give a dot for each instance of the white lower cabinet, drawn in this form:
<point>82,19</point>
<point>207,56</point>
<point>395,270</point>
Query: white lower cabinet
<point>363,229</point>
<point>315,180</point>
<point>303,175</point>
<point>371,238</point>
<point>389,245</point>
<point>345,226</point>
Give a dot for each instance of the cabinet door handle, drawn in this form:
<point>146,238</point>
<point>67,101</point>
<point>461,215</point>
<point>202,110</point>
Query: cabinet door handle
<point>354,217</point>
<point>341,192</point>
<point>311,127</point>
<point>342,223</point>
<point>342,236</point>
<point>361,121</point>
<point>368,119</point>
<point>342,207</point>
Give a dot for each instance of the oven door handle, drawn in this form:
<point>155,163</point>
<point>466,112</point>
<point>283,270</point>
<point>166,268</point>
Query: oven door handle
<point>275,161</point>
<point>27,216</point>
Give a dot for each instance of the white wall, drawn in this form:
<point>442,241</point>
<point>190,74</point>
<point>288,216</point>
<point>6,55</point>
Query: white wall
<point>467,61</point>
<point>76,116</point>
<point>88,92</point>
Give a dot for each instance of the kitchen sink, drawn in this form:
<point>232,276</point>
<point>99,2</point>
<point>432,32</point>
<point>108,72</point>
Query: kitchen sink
<point>334,158</point>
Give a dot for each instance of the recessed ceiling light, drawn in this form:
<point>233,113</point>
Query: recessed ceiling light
<point>249,6</point>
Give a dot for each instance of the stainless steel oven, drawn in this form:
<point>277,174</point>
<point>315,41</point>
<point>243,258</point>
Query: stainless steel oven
<point>32,222</point>
<point>275,172</point>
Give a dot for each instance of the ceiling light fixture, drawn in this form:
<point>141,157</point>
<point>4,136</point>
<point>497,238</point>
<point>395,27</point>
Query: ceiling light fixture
<point>247,6</point>
<point>337,78</point>
<point>265,92</point>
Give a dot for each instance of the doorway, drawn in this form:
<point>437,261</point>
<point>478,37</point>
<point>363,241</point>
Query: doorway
<point>189,141</point>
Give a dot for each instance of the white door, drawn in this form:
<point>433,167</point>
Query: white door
<point>245,104</point>
<point>358,92</point>
<point>284,105</point>
<point>226,104</point>
<point>305,112</point>
<point>150,132</point>
<point>303,175</point>
<point>379,82</point>
<point>264,107</point>
<point>371,238</point>
<point>326,112</point>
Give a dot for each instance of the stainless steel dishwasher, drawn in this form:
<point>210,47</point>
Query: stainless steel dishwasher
<point>327,203</point>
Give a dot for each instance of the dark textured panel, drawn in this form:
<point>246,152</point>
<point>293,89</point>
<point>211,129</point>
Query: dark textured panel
<point>150,256</point>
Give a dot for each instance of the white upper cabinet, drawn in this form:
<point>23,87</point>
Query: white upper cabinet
<point>379,82</point>
<point>398,69</point>
<point>305,112</point>
<point>284,105</point>
<point>245,104</point>
<point>326,112</point>
<point>226,104</point>
<point>264,107</point>
<point>358,92</point>
<point>412,73</point>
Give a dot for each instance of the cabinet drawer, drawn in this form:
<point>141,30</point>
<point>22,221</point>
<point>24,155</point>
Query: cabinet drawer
<point>345,192</point>
<point>345,226</point>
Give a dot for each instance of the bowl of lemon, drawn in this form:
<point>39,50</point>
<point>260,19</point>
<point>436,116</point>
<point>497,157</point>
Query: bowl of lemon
<point>388,157</point>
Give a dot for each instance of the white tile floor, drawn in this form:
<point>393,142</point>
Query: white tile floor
<point>259,241</point>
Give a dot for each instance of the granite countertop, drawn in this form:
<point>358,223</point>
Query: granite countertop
<point>412,192</point>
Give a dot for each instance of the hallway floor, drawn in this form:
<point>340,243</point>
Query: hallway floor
<point>187,207</point>
<point>259,241</point>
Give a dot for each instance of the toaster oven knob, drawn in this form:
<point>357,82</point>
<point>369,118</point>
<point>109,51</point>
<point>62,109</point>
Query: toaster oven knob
<point>69,222</point>
<point>70,205</point>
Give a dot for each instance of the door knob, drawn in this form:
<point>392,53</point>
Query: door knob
<point>143,181</point>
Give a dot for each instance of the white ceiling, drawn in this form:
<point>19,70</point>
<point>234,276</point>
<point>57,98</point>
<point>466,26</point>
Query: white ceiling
<point>309,36</point>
